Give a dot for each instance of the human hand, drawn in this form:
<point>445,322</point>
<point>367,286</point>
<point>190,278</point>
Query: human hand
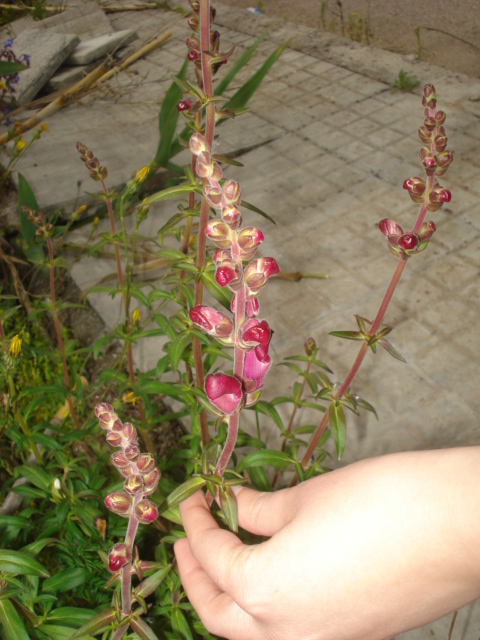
<point>362,553</point>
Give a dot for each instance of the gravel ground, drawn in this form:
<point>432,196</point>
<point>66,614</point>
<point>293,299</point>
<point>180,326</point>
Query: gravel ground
<point>449,29</point>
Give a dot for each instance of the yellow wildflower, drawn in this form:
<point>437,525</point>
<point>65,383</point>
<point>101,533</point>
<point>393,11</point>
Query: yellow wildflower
<point>43,127</point>
<point>20,145</point>
<point>15,348</point>
<point>129,398</point>
<point>136,318</point>
<point>141,175</point>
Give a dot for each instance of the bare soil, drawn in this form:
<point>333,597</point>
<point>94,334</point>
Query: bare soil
<point>442,32</point>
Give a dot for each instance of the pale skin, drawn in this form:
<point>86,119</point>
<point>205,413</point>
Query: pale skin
<point>362,553</point>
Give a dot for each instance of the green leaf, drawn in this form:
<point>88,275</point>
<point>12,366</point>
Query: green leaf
<point>29,492</point>
<point>185,490</point>
<point>15,522</point>
<point>348,335</point>
<point>178,346</point>
<point>171,192</point>
<point>252,207</point>
<point>338,425</point>
<point>228,505</point>
<point>168,118</point>
<point>173,515</point>
<point>66,580</point>
<point>221,294</point>
<point>243,95</point>
<point>366,405</point>
<point>180,624</point>
<point>56,632</point>
<point>70,616</point>
<point>7,67</point>
<point>268,409</point>
<point>150,584</point>
<point>96,624</point>
<point>35,547</point>
<point>391,349</point>
<point>37,476</point>
<point>259,479</point>
<point>276,459</point>
<point>11,622</point>
<point>142,629</point>
<point>224,83</point>
<point>26,198</point>
<point>19,563</point>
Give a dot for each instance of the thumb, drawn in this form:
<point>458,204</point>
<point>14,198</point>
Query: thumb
<point>264,513</point>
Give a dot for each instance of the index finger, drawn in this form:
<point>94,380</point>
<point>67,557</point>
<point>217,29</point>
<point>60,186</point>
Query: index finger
<point>219,552</point>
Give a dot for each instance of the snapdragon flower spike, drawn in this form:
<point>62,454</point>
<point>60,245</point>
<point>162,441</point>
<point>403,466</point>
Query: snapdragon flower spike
<point>213,322</point>
<point>224,392</point>
<point>228,274</point>
<point>258,272</point>
<point>231,216</point>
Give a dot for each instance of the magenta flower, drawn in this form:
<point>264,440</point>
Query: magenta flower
<point>224,392</point>
<point>256,334</point>
<point>406,243</point>
<point>257,273</point>
<point>213,322</point>
<point>255,369</point>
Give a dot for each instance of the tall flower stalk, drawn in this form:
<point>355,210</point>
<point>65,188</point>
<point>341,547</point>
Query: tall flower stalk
<point>403,244</point>
<point>236,247</point>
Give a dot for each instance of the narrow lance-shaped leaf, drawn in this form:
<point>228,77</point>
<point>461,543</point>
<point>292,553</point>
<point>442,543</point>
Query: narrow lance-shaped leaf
<point>11,622</point>
<point>276,459</point>
<point>142,629</point>
<point>168,118</point>
<point>336,418</point>
<point>148,586</point>
<point>7,67</point>
<point>228,505</point>
<point>185,490</point>
<point>19,563</point>
<point>99,622</point>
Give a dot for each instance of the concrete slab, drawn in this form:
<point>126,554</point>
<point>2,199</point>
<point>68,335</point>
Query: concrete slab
<point>89,50</point>
<point>66,77</point>
<point>47,51</point>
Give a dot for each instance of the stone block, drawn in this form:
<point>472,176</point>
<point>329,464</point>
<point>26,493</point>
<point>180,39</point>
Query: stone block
<point>66,77</point>
<point>47,51</point>
<point>89,50</point>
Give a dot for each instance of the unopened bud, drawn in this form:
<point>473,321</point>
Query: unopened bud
<point>231,192</point>
<point>131,452</point>
<point>141,175</point>
<point>310,347</point>
<point>150,482</point>
<point>197,144</point>
<point>118,556</point>
<point>219,233</point>
<point>231,216</point>
<point>416,188</point>
<point>114,438</point>
<point>430,123</point>
<point>429,98</point>
<point>119,503</point>
<point>444,159</point>
<point>134,484</point>
<point>214,195</point>
<point>145,463</point>
<point>440,117</point>
<point>257,273</point>
<point>408,242</point>
<point>146,512</point>
<point>440,142</point>
<point>425,135</point>
<point>429,161</point>
<point>249,239</point>
<point>426,231</point>
<point>129,433</point>
<point>214,322</point>
<point>437,197</point>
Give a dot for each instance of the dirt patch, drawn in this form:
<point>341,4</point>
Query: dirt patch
<point>442,32</point>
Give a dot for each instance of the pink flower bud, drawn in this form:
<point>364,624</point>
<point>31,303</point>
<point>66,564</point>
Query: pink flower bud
<point>416,188</point>
<point>426,231</point>
<point>430,123</point>
<point>214,322</point>
<point>228,274</point>
<point>150,482</point>
<point>425,134</point>
<point>145,463</point>
<point>256,334</point>
<point>440,142</point>
<point>310,347</point>
<point>231,216</point>
<point>408,241</point>
<point>214,195</point>
<point>114,438</point>
<point>257,273</point>
<point>119,460</point>
<point>146,512</point>
<point>197,144</point>
<point>219,233</point>
<point>134,484</point>
<point>129,433</point>
<point>255,370</point>
<point>184,105</point>
<point>231,192</point>
<point>118,556</point>
<point>131,452</point>
<point>440,117</point>
<point>119,503</point>
<point>437,196</point>
<point>429,161</point>
<point>390,228</point>
<point>224,392</point>
<point>106,415</point>
<point>443,161</point>
<point>249,239</point>
<point>429,97</point>
<point>220,256</point>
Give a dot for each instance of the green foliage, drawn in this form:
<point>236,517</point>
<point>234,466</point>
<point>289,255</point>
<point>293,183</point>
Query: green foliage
<point>404,82</point>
